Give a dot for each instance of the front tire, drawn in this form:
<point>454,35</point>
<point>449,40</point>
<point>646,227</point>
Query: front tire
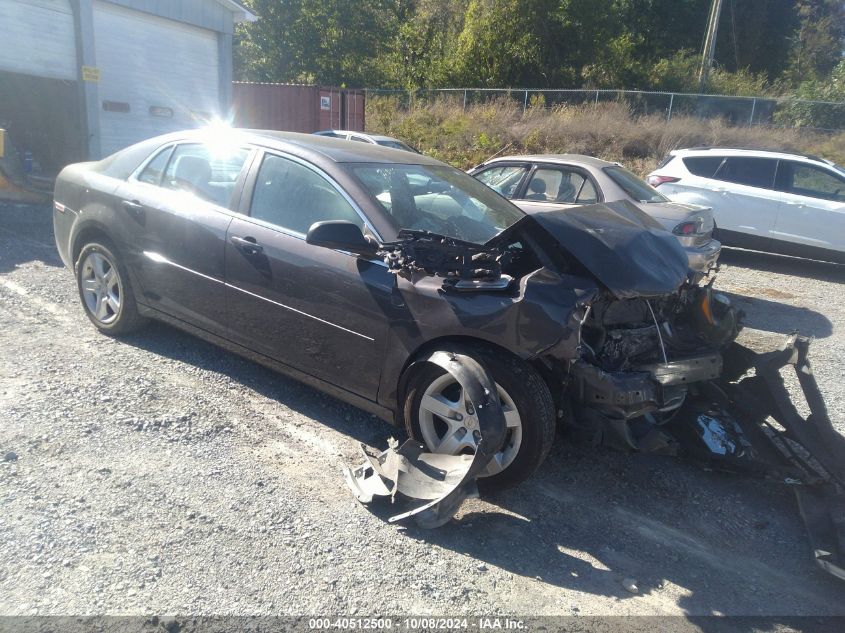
<point>105,290</point>
<point>434,415</point>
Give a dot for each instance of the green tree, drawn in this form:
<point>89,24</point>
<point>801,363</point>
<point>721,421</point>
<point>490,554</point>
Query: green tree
<point>425,44</point>
<point>753,35</point>
<point>660,28</point>
<point>830,115</point>
<point>540,43</point>
<point>817,44</point>
<point>506,43</point>
<point>315,41</point>
<point>679,73</point>
<point>616,66</point>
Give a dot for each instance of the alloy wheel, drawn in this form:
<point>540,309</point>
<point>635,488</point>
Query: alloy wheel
<point>449,423</point>
<point>101,287</point>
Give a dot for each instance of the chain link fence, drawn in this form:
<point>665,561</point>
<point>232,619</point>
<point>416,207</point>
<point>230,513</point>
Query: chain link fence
<point>781,111</point>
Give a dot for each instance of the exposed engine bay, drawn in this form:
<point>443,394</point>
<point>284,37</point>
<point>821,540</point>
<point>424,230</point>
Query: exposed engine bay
<point>654,368</point>
<point>463,265</point>
<point>642,356</point>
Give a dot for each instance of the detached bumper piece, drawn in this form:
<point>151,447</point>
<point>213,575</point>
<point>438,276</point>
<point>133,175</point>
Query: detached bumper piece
<point>427,486</point>
<point>756,427</point>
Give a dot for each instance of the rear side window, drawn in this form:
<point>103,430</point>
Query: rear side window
<point>752,172</point>
<point>588,194</point>
<point>155,168</point>
<point>557,185</point>
<point>208,172</point>
<point>704,166</point>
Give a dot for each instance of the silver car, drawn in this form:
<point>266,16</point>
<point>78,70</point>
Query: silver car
<point>555,181</point>
<point>373,139</point>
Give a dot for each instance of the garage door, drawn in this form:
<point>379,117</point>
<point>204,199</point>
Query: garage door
<point>156,75</point>
<point>37,38</point>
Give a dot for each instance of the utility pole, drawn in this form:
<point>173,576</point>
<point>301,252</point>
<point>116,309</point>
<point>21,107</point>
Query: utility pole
<point>709,44</point>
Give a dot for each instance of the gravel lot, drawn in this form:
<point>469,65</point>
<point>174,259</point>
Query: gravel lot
<point>159,474</point>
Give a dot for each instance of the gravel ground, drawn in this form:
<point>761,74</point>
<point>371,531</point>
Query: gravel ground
<point>159,474</point>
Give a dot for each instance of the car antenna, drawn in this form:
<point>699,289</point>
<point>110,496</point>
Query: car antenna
<point>494,155</point>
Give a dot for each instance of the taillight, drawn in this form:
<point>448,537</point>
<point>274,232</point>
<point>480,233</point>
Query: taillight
<point>686,228</point>
<point>656,181</point>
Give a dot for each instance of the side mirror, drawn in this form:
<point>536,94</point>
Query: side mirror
<point>341,235</point>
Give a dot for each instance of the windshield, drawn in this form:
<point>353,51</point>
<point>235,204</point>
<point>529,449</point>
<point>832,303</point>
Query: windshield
<point>397,145</point>
<point>838,168</point>
<point>439,199</point>
<point>635,187</point>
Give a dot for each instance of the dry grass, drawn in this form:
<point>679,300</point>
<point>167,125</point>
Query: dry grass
<point>444,130</point>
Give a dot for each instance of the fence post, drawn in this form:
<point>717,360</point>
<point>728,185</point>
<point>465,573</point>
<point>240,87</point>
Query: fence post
<point>465,100</point>
<point>753,107</point>
<point>671,103</point>
<point>597,98</point>
<point>525,103</point>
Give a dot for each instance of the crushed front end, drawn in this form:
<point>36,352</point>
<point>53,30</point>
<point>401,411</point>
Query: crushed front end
<point>673,375</point>
<point>640,359</point>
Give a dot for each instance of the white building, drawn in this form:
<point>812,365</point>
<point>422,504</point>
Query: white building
<point>83,78</point>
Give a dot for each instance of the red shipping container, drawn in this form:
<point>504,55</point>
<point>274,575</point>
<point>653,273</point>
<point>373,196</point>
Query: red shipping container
<point>296,108</point>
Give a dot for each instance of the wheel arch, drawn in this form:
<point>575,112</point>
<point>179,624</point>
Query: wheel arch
<point>456,341</point>
<point>89,232</point>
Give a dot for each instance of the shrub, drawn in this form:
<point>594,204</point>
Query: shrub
<point>464,137</point>
<point>821,115</point>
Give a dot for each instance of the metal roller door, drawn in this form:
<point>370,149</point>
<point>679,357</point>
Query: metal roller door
<point>156,75</point>
<point>38,38</point>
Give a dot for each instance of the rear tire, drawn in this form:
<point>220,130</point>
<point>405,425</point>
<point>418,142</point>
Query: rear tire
<point>106,291</point>
<point>528,405</point>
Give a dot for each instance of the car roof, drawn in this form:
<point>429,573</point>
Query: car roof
<point>744,151</point>
<point>568,159</point>
<point>313,146</point>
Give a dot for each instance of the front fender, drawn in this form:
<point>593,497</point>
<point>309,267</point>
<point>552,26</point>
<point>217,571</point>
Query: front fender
<point>536,316</point>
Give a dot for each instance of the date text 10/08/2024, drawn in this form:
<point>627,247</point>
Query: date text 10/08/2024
<point>416,624</point>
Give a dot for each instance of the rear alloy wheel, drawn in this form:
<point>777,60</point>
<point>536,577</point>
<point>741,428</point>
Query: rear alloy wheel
<point>105,290</point>
<point>101,288</point>
<point>437,414</point>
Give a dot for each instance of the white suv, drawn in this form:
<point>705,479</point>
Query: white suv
<point>769,201</point>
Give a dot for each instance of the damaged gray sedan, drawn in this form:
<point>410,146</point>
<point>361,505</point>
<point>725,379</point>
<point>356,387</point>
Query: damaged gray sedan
<point>408,288</point>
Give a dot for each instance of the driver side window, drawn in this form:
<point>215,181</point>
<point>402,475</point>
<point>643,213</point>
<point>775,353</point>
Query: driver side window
<point>813,182</point>
<point>293,197</point>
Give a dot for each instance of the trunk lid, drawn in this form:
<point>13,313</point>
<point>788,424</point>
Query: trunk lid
<point>672,214</point>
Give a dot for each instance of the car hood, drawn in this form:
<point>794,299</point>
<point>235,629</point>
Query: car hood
<point>625,249</point>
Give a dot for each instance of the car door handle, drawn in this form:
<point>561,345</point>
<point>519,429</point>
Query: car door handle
<point>794,204</point>
<point>248,245</point>
<point>134,207</point>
